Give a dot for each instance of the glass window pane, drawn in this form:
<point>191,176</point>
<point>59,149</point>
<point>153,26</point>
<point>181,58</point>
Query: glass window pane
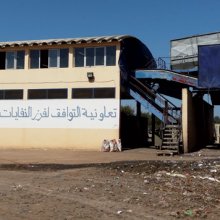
<point>13,94</point>
<point>110,56</point>
<point>82,93</point>
<point>20,59</point>
<point>53,55</point>
<point>79,57</point>
<point>34,57</point>
<point>47,93</point>
<point>2,60</point>
<point>10,60</point>
<point>64,58</point>
<point>57,93</point>
<point>37,93</point>
<point>1,94</point>
<point>89,56</point>
<point>104,93</point>
<point>99,56</point>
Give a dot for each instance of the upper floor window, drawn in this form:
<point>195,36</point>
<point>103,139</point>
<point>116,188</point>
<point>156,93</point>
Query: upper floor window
<point>12,60</point>
<point>110,56</point>
<point>95,56</point>
<point>51,58</point>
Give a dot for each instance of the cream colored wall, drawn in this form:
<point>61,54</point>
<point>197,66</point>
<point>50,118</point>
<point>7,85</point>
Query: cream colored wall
<point>84,139</point>
<point>71,77</point>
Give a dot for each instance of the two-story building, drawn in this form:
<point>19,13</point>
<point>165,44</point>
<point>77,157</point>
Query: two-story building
<point>65,93</point>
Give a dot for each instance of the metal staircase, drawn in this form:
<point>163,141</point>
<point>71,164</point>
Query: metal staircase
<point>163,109</point>
<point>154,102</point>
<point>171,140</point>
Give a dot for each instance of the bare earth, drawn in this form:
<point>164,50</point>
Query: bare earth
<point>133,184</point>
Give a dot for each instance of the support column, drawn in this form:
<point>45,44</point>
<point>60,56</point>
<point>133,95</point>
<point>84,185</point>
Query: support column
<point>138,112</point>
<point>138,115</point>
<point>188,122</point>
<point>153,129</point>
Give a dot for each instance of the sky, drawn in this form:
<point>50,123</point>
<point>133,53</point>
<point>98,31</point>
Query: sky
<point>154,22</point>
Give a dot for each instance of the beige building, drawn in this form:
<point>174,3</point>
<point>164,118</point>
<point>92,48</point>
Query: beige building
<point>61,93</point>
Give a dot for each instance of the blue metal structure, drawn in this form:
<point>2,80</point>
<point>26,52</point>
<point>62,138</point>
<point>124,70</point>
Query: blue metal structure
<point>167,75</point>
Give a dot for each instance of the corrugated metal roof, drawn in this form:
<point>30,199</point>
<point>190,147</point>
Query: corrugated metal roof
<point>100,39</point>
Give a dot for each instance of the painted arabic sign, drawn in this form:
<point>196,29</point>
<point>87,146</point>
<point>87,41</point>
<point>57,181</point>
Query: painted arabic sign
<point>79,113</point>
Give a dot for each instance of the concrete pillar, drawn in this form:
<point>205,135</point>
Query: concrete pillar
<point>138,116</point>
<point>197,122</point>
<point>188,122</point>
<point>153,128</point>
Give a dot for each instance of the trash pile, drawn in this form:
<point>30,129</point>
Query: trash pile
<point>111,145</point>
<point>179,189</point>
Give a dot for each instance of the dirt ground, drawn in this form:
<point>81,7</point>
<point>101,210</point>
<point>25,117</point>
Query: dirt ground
<point>133,184</point>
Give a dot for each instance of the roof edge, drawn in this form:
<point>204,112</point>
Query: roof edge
<point>59,41</point>
<point>196,35</point>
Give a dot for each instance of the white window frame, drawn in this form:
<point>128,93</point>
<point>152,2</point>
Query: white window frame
<point>84,51</point>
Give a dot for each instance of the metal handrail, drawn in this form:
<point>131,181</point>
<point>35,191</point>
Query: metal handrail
<point>160,102</point>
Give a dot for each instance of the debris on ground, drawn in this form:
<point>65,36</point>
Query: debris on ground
<point>130,190</point>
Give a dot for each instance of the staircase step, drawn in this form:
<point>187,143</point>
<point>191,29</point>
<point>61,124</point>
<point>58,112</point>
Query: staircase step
<point>172,126</point>
<point>171,129</point>
<point>170,138</point>
<point>170,142</point>
<point>166,153</point>
<point>169,147</point>
<point>167,134</point>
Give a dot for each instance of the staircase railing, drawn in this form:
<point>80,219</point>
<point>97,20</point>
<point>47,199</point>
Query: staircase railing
<point>171,113</point>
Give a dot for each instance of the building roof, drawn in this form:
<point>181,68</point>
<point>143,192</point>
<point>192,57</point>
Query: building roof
<point>85,40</point>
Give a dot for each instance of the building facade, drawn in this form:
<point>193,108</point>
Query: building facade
<point>63,93</point>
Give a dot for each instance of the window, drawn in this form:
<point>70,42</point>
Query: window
<point>47,93</point>
<point>82,93</point>
<point>58,58</point>
<point>110,56</point>
<point>64,58</point>
<point>87,93</point>
<point>79,57</point>
<point>2,60</point>
<point>34,59</point>
<point>98,56</point>
<point>43,58</point>
<point>20,59</point>
<point>11,94</point>
<point>104,93</point>
<point>90,56</point>
<point>51,58</point>
<point>12,60</point>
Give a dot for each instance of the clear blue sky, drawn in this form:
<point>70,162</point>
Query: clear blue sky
<point>155,22</point>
